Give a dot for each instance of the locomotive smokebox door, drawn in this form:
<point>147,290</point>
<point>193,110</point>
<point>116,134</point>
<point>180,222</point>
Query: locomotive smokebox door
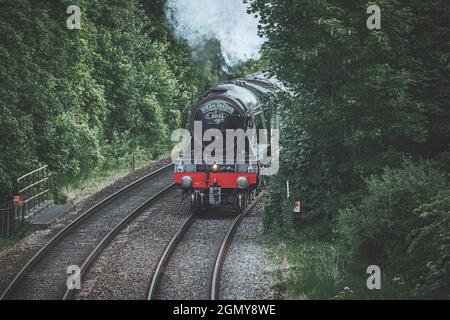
<point>215,194</point>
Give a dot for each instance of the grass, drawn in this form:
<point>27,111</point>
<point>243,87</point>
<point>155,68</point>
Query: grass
<point>6,243</point>
<point>307,269</point>
<point>78,188</point>
<point>21,232</point>
<point>319,270</point>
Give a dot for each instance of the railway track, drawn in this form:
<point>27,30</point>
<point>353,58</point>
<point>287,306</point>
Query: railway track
<point>215,277</point>
<point>213,290</point>
<point>168,252</point>
<point>45,275</point>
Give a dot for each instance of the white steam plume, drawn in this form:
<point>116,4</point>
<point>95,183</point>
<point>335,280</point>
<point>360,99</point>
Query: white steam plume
<point>224,20</point>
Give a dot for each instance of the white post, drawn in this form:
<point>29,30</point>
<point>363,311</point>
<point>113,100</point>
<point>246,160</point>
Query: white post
<point>287,189</point>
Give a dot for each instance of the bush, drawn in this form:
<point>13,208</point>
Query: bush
<point>429,249</point>
<point>385,229</point>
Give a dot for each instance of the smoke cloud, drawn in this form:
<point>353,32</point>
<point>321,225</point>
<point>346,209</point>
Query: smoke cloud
<point>227,21</point>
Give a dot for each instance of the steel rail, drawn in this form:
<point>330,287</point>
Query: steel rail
<point>112,234</point>
<point>215,277</point>
<point>167,254</point>
<point>71,227</point>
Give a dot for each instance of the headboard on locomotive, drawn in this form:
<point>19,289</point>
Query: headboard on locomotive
<point>237,104</point>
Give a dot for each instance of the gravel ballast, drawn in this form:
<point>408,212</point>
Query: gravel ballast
<point>125,267</point>
<point>187,274</point>
<point>247,272</point>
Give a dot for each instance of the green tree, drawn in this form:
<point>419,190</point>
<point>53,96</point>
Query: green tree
<point>75,98</point>
<point>363,99</point>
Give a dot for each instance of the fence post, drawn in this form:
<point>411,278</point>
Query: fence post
<point>1,222</point>
<point>132,160</point>
<point>7,223</point>
<point>23,215</point>
<point>7,219</point>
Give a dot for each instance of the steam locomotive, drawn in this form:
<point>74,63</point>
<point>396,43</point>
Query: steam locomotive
<point>221,161</point>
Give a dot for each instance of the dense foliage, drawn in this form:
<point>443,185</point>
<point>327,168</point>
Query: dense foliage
<point>430,243</point>
<point>363,101</point>
<point>402,225</point>
<point>74,98</point>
